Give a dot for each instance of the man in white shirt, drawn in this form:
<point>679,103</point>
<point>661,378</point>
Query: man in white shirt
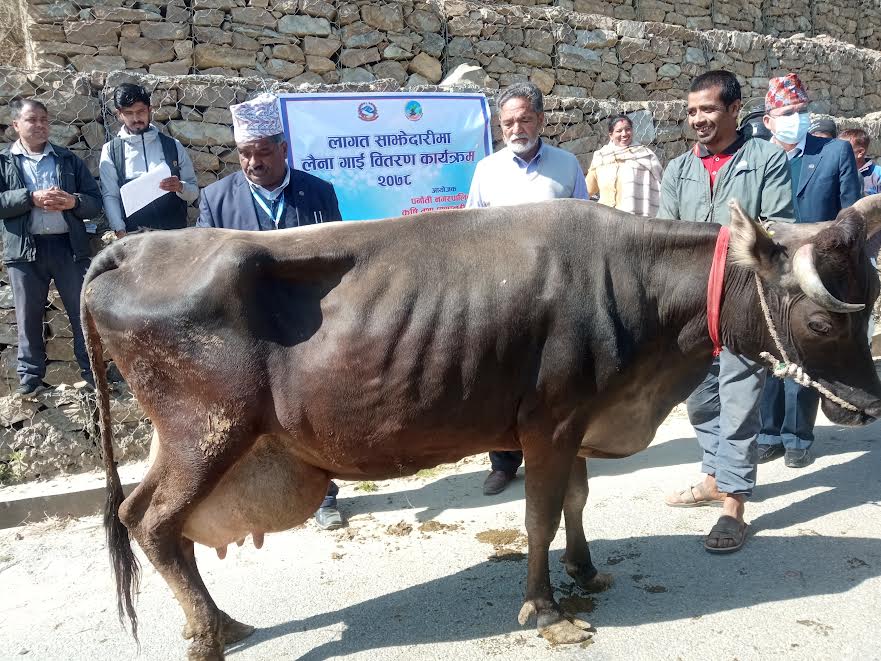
<point>137,148</point>
<point>526,170</point>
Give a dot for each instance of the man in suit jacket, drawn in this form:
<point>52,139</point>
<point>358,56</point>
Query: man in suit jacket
<point>269,195</point>
<point>266,194</point>
<point>825,180</point>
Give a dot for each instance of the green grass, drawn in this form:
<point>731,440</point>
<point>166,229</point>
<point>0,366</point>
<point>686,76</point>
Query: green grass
<point>368,487</point>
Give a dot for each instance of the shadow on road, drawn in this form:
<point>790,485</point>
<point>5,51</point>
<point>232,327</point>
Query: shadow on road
<point>658,579</point>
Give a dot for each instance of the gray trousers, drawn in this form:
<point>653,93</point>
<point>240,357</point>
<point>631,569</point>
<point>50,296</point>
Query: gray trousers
<point>30,291</point>
<point>724,410</point>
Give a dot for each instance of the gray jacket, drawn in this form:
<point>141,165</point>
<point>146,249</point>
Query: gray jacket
<point>757,176</point>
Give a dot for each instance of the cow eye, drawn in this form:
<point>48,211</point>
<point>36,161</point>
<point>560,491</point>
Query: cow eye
<point>820,326</point>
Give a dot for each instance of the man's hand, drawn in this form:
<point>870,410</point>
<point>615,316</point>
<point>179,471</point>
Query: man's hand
<point>119,233</point>
<point>53,199</point>
<point>171,184</point>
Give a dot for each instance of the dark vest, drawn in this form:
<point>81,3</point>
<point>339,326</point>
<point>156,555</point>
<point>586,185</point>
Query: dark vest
<point>168,212</point>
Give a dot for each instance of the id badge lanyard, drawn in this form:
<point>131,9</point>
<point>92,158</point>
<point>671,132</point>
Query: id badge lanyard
<point>279,210</point>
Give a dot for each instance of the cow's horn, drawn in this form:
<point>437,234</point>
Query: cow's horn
<point>810,283</point>
<point>870,209</point>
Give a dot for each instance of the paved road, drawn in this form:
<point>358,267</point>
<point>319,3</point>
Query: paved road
<point>806,586</point>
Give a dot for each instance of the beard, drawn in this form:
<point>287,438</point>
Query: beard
<point>521,147</point>
<point>138,130</point>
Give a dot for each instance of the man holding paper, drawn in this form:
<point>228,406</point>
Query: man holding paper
<point>147,178</point>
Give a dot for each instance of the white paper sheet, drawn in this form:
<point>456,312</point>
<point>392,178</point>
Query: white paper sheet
<point>139,193</point>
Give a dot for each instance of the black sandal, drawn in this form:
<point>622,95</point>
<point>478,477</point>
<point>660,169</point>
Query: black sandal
<point>727,528</point>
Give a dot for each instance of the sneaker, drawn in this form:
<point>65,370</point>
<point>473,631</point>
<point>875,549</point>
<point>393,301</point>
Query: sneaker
<point>33,388</point>
<point>798,458</point>
<point>497,482</point>
<point>329,518</point>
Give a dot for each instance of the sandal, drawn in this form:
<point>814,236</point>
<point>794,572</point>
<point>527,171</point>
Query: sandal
<point>726,528</point>
<point>693,496</point>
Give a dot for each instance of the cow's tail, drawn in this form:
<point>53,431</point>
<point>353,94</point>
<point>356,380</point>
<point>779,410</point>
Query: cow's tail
<point>125,565</point>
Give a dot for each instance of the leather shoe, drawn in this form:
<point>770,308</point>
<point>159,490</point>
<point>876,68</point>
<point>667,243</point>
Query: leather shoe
<point>769,452</point>
<point>328,518</point>
<point>798,458</point>
<point>496,482</point>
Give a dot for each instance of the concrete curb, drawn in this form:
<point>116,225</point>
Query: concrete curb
<point>70,504</point>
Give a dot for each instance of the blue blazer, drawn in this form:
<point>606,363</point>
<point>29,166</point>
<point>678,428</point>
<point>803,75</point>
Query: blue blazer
<point>829,180</point>
<point>228,203</point>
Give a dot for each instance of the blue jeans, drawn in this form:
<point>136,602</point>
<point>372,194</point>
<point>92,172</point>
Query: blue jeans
<point>508,460</point>
<point>30,290</point>
<point>724,411</point>
<point>330,496</point>
<point>788,414</point>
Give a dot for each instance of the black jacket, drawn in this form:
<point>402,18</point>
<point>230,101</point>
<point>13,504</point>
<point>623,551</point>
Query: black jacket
<point>15,205</point>
<point>228,203</point>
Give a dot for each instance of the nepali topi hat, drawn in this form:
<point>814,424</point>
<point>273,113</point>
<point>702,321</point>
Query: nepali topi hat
<point>258,118</point>
<point>785,91</point>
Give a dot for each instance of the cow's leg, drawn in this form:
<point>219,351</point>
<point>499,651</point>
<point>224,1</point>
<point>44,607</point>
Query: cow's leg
<point>231,630</point>
<point>577,556</point>
<point>547,470</point>
<point>155,514</point>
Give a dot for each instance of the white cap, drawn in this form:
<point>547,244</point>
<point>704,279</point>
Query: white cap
<point>258,118</point>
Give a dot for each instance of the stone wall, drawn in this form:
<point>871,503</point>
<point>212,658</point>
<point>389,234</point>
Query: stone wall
<point>565,51</point>
<point>56,433</point>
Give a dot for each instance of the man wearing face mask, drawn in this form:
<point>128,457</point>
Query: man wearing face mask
<point>526,170</point>
<point>825,180</point>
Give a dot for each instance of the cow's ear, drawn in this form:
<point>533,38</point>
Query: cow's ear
<point>750,245</point>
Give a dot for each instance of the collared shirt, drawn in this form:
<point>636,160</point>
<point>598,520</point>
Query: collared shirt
<point>289,215</point>
<point>798,150</point>
<point>715,162</point>
<point>39,173</point>
<point>505,179</point>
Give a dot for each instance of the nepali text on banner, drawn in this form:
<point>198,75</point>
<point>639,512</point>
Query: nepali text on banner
<point>389,154</point>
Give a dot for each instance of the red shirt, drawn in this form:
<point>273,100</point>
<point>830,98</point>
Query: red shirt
<point>714,162</point>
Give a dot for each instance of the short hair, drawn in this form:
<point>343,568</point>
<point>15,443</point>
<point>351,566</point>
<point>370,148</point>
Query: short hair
<point>17,106</point>
<point>620,117</point>
<point>526,91</point>
<point>729,88</point>
<point>857,136</point>
<point>128,94</point>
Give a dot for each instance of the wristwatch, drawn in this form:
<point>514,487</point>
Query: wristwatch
<point>79,199</point>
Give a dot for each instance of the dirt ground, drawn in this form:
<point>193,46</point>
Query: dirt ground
<point>429,568</point>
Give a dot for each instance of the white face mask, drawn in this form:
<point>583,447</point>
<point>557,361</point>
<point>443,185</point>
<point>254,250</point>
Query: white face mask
<point>790,129</point>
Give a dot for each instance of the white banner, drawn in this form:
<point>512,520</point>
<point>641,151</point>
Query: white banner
<point>389,154</point>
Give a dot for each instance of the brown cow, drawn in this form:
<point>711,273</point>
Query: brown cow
<point>270,362</point>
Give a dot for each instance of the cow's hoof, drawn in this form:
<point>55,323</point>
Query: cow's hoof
<point>566,631</point>
<point>205,649</point>
<point>232,631</point>
<point>599,582</point>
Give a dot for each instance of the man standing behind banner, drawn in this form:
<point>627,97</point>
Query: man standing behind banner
<point>526,170</point>
<point>137,148</point>
<point>268,195</point>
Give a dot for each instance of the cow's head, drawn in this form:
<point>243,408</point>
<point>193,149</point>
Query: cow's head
<point>820,288</point>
